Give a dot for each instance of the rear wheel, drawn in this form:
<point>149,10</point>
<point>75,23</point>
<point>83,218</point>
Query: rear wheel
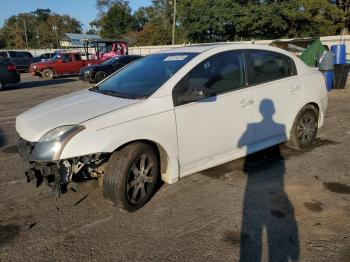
<point>131,176</point>
<point>100,76</point>
<point>48,74</point>
<point>305,128</point>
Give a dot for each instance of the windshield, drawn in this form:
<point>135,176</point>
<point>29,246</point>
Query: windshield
<point>143,77</point>
<point>110,61</point>
<point>106,47</point>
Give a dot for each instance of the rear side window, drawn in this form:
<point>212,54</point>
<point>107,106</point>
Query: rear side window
<point>267,66</point>
<point>291,68</point>
<point>77,57</point>
<point>27,54</point>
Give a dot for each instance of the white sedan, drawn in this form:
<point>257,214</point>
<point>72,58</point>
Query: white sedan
<point>172,114</point>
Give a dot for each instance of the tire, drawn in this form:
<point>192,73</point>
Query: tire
<point>2,85</point>
<point>48,74</point>
<point>123,184</point>
<point>100,76</point>
<point>304,128</point>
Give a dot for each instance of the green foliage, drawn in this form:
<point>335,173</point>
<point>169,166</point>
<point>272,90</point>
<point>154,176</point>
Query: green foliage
<point>117,21</point>
<point>44,29</point>
<point>222,20</point>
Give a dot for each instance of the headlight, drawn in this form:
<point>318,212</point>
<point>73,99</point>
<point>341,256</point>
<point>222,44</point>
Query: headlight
<point>60,133</point>
<point>87,72</point>
<point>34,67</point>
<point>50,145</point>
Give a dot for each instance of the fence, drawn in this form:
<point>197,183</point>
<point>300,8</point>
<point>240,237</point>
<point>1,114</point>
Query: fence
<point>146,50</point>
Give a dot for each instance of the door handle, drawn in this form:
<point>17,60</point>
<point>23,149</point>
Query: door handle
<point>294,88</point>
<point>246,102</point>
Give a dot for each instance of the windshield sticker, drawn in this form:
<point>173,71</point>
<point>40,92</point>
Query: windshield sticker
<point>175,58</point>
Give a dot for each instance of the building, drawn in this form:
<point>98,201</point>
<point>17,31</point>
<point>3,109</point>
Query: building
<point>71,40</point>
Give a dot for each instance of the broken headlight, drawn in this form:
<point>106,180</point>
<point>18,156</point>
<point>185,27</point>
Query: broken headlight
<point>50,145</point>
<point>60,133</point>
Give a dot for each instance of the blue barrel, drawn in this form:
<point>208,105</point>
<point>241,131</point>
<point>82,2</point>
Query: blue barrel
<point>340,54</point>
<point>329,77</point>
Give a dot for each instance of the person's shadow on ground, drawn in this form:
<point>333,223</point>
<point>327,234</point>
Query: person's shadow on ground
<point>266,206</point>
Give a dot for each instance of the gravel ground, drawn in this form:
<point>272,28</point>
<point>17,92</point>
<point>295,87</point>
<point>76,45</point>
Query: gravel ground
<point>278,204</point>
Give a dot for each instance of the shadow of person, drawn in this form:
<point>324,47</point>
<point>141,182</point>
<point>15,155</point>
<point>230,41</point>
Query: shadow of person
<point>266,206</point>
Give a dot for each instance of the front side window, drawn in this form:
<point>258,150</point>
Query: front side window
<point>219,74</point>
<point>141,79</point>
<point>66,58</point>
<point>266,66</point>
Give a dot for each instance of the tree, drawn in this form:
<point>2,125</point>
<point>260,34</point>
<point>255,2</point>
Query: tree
<point>225,20</point>
<point>42,27</point>
<point>344,5</point>
<point>117,21</point>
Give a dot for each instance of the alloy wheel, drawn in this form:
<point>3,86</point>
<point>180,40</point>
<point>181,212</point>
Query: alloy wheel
<point>140,180</point>
<point>307,129</point>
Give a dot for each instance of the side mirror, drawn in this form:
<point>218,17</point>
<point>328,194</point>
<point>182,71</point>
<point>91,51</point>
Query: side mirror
<point>195,94</point>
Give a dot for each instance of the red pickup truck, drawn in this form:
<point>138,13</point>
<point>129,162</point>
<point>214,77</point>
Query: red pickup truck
<point>61,64</point>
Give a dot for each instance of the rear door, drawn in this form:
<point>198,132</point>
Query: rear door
<point>27,59</point>
<point>211,130</point>
<point>278,93</point>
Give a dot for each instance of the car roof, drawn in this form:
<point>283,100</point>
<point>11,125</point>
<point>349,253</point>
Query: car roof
<point>201,48</point>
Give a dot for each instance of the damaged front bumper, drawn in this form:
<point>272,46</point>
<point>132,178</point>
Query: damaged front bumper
<point>59,173</point>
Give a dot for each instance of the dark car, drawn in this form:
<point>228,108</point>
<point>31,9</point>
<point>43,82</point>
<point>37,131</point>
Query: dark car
<point>43,57</point>
<point>21,59</point>
<point>96,73</point>
<point>8,73</point>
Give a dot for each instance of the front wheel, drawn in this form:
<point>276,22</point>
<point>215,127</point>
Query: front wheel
<point>304,129</point>
<point>100,76</point>
<point>131,176</point>
<point>48,74</point>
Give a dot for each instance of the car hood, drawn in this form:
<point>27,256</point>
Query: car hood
<point>70,109</point>
<point>90,67</point>
<point>42,64</point>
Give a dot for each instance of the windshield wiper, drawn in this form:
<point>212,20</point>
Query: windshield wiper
<point>113,93</point>
<point>94,88</point>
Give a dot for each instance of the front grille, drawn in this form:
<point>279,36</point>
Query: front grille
<point>25,148</point>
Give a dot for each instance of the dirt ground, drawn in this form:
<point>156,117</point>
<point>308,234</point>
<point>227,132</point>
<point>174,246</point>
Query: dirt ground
<point>278,204</point>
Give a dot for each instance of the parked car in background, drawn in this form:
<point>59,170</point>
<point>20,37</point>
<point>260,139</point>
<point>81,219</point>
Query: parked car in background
<point>8,73</point>
<point>172,114</point>
<point>96,73</point>
<point>43,57</point>
<point>68,63</point>
<point>21,59</point>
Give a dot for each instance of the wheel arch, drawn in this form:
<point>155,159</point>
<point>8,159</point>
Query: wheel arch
<point>317,108</point>
<point>168,166</point>
<point>52,69</point>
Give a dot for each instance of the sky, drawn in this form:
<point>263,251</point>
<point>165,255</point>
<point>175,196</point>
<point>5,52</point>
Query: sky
<point>83,10</point>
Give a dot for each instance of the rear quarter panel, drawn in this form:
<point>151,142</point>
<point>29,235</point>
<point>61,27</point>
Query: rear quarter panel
<point>314,91</point>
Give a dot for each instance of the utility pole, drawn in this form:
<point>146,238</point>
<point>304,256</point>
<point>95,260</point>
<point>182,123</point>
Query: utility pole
<point>25,32</point>
<point>55,28</point>
<point>174,22</point>
<point>38,37</point>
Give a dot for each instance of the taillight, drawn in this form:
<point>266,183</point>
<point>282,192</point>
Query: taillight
<point>11,67</point>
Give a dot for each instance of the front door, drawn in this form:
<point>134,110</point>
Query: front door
<point>214,127</point>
